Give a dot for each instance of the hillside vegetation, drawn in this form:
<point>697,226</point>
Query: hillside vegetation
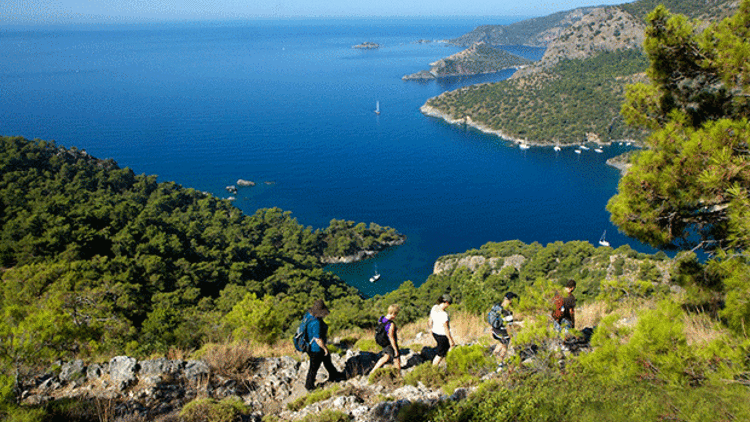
<point>549,106</point>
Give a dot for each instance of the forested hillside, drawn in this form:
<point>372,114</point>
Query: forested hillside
<point>559,106</point>
<point>122,262</point>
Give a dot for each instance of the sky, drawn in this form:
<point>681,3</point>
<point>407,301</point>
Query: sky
<point>74,11</point>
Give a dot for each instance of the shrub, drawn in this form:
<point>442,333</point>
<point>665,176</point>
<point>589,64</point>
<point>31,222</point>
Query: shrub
<point>367,345</point>
<point>313,397</point>
<point>428,374</point>
<point>230,360</point>
<point>255,319</point>
<point>211,410</point>
<point>388,376</point>
<point>328,416</point>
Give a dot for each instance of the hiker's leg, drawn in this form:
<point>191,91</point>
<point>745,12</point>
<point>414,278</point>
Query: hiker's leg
<point>333,373</point>
<point>315,360</point>
<point>382,361</point>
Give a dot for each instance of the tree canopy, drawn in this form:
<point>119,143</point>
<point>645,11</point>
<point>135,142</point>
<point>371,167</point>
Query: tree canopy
<point>690,186</point>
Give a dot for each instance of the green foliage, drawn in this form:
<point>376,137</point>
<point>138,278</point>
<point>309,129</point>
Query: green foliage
<point>618,289</point>
<point>344,238</point>
<point>22,414</point>
<point>464,366</point>
<point>367,345</point>
<point>691,181</point>
<point>254,319</point>
<point>690,8</point>
<point>212,410</point>
<point>313,397</point>
<point>574,397</point>
<point>119,262</point>
<point>428,374</point>
<point>387,376</point>
<point>328,416</point>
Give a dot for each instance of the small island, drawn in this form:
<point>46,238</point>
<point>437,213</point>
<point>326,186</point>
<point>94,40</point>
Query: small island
<point>367,45</point>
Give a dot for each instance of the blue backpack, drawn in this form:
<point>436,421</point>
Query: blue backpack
<point>495,317</point>
<point>301,340</point>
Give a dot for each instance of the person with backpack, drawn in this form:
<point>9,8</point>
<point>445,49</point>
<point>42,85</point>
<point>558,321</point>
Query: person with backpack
<point>387,337</point>
<point>441,330</point>
<point>498,316</point>
<point>564,311</point>
<point>315,334</point>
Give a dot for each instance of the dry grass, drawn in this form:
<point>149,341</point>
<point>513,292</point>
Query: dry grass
<point>590,314</point>
<point>701,329</point>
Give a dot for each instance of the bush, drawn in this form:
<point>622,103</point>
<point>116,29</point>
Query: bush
<point>211,410</point>
<point>313,397</point>
<point>328,416</point>
<point>367,345</point>
<point>388,376</point>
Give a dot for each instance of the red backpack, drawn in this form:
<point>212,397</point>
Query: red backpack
<point>558,302</point>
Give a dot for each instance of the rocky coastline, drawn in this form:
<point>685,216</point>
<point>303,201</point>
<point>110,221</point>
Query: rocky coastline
<point>363,254</point>
<point>467,121</point>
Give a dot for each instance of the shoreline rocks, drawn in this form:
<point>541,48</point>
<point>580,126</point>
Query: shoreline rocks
<point>367,45</point>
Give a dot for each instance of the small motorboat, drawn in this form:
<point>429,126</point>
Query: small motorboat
<point>603,240</point>
<point>375,277</point>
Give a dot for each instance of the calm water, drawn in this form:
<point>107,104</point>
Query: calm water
<point>291,103</point>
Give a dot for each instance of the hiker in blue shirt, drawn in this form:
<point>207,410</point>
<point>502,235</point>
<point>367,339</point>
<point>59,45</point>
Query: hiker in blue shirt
<point>317,332</point>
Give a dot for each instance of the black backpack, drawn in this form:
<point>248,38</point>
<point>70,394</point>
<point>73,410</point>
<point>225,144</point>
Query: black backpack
<point>301,341</point>
<point>381,334</point>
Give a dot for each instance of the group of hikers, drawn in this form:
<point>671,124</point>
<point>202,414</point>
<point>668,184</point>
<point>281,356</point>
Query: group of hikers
<point>313,332</point>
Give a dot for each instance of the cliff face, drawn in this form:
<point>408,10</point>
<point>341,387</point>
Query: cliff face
<point>536,32</point>
<point>603,29</point>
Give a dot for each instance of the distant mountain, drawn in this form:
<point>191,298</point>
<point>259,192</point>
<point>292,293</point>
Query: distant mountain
<point>477,59</point>
<point>536,32</point>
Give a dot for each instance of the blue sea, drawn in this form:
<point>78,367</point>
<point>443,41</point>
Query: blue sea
<point>289,104</point>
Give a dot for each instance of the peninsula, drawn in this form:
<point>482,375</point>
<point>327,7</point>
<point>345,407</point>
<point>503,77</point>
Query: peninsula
<point>478,59</point>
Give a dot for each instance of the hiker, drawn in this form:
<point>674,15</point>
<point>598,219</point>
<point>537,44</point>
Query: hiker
<point>441,329</point>
<point>498,316</point>
<point>390,335</point>
<point>317,332</point>
<point>564,313</point>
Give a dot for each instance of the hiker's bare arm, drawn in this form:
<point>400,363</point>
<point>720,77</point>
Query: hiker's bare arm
<point>322,345</point>
<point>448,333</point>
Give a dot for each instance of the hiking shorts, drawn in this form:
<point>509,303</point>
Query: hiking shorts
<point>505,340</point>
<point>442,344</point>
<point>388,350</point>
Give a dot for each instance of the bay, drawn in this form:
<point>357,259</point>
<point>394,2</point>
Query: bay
<point>289,104</point>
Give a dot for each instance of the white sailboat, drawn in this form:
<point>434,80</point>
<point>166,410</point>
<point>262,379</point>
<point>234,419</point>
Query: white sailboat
<point>375,276</point>
<point>377,107</point>
<point>557,148</point>
<point>603,241</point>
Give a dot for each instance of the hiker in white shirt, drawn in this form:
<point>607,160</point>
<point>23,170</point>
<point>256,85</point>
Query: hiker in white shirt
<point>441,330</point>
